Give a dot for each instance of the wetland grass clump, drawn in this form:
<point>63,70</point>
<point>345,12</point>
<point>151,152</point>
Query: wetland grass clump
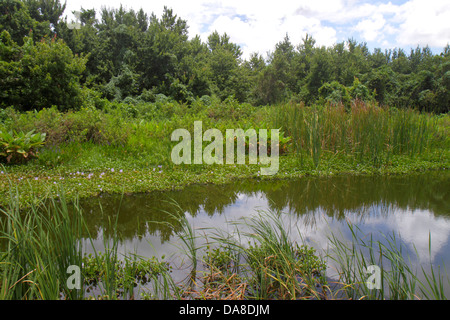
<point>262,262</point>
<point>369,133</point>
<point>39,244</point>
<point>280,267</point>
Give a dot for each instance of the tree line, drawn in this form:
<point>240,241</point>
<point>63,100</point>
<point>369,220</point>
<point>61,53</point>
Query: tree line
<point>130,56</point>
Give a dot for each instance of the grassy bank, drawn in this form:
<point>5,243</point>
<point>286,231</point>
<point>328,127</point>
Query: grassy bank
<point>121,178</point>
<point>127,148</point>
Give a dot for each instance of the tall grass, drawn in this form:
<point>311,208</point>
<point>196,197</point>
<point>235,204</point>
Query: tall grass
<point>109,260</point>
<point>366,131</point>
<point>267,261</point>
<point>37,245</point>
<point>186,233</point>
<point>280,267</point>
<point>40,244</point>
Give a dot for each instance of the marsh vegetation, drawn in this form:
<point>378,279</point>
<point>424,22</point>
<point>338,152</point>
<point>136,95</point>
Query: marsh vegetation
<point>86,114</point>
<point>263,254</point>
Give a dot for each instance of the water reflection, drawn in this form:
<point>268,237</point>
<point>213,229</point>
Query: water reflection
<point>364,199</point>
<point>414,207</point>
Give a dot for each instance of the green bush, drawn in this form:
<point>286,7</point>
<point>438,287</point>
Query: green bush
<point>334,93</point>
<point>87,124</point>
<point>39,74</point>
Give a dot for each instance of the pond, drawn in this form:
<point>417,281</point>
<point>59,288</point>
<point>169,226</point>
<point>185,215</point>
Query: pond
<point>415,207</point>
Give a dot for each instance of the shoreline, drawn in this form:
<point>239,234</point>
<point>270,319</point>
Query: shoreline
<point>32,182</point>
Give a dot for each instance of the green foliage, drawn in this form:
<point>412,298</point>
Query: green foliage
<point>128,272</point>
<point>221,258</point>
<point>46,10</point>
<point>131,56</point>
<point>88,124</point>
<point>358,91</point>
<point>39,75</point>
<point>335,93</point>
<point>20,147</point>
<point>128,56</point>
<point>15,18</point>
<point>383,82</point>
<point>124,85</point>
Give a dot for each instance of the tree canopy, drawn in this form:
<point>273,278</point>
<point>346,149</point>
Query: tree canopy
<point>125,54</point>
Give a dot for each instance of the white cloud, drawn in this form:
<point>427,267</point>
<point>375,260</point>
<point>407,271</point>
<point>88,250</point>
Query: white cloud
<point>371,28</point>
<point>424,22</point>
<point>414,227</point>
<point>259,25</point>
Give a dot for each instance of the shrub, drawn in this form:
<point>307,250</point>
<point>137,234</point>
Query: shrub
<point>38,75</point>
<point>88,124</point>
<point>334,93</point>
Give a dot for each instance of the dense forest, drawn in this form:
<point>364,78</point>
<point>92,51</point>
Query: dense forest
<point>131,57</point>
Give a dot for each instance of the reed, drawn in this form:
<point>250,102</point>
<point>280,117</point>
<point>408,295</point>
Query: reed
<point>186,233</point>
<point>366,131</point>
<point>109,259</point>
<point>267,262</point>
<point>40,244</point>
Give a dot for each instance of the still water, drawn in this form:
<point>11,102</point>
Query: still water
<point>413,207</point>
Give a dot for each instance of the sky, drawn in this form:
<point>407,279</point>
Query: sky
<point>258,25</point>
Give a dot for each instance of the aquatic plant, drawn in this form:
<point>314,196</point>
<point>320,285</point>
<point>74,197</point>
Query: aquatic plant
<point>17,147</point>
<point>41,243</point>
<point>366,131</point>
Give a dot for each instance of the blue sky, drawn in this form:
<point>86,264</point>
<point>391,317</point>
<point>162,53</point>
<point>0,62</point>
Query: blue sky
<point>258,25</point>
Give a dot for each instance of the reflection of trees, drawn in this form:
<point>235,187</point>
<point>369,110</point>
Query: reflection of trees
<point>334,196</point>
<point>136,215</point>
<point>331,196</point>
<point>138,212</point>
